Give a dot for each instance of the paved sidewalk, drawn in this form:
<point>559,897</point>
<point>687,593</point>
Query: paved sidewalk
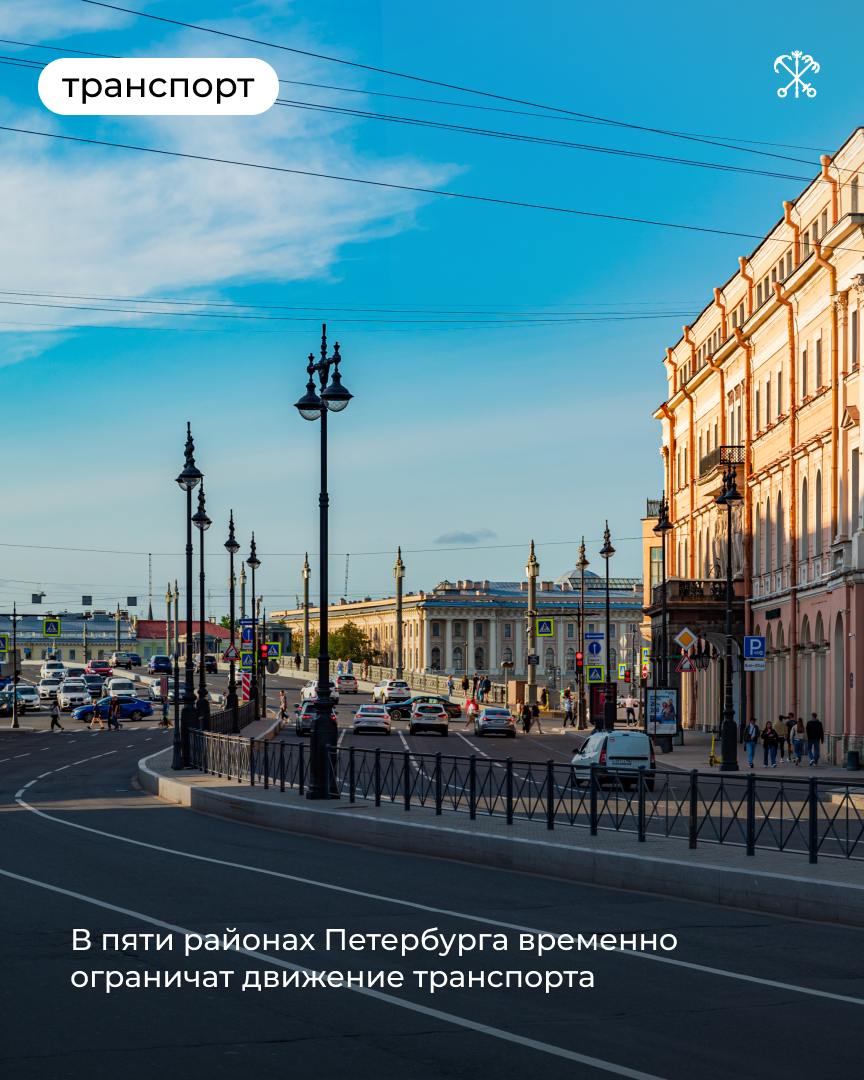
<point>697,746</point>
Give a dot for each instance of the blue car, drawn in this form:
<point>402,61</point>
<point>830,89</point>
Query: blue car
<point>130,709</point>
<point>160,664</point>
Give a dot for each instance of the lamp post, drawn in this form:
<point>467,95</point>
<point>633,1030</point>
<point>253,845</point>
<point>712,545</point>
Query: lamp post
<point>663,526</point>
<point>202,523</point>
<point>176,618</point>
<point>306,574</point>
<point>399,574</point>
<point>581,566</point>
<point>253,562</point>
<point>729,729</point>
<point>261,619</point>
<point>15,723</point>
<point>188,480</point>
<point>242,591</point>
<point>532,571</point>
<point>86,617</point>
<point>609,705</point>
<point>232,547</point>
<point>117,628</point>
<point>169,596</point>
<point>316,405</point>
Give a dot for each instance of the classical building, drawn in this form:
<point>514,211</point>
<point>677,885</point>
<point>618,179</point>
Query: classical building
<point>480,624</point>
<point>766,381</point>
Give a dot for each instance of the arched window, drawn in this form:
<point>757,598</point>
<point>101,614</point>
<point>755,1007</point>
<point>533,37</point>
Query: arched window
<point>457,658</point>
<point>779,534</point>
<point>549,662</point>
<point>768,551</point>
<point>570,660</point>
<point>479,658</point>
<point>436,659</point>
<point>804,538</point>
<point>507,655</point>
<point>757,541</point>
<point>817,517</point>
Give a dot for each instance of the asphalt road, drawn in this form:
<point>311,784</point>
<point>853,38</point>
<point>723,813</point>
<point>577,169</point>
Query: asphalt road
<point>747,995</point>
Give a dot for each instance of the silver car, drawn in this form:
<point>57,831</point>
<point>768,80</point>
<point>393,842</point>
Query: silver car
<point>48,688</point>
<point>73,692</point>
<point>373,718</point>
<point>495,720</point>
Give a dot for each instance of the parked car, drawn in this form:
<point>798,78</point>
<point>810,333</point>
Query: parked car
<point>73,692</point>
<point>48,687</point>
<point>391,690</point>
<point>210,665</point>
<point>122,660</point>
<point>160,664</point>
<point>50,667</point>
<point>371,718</point>
<point>121,688</point>
<point>310,691</point>
<point>29,695</point>
<point>617,756</point>
<point>304,717</point>
<point>130,709</point>
<point>94,684</point>
<point>494,720</point>
<point>27,699</point>
<point>400,709</point>
<point>346,684</point>
<point>136,659</point>
<point>428,718</point>
<point>98,667</point>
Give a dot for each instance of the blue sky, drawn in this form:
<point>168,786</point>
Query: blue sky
<point>500,432</point>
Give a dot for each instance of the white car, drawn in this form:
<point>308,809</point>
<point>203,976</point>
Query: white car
<point>371,718</point>
<point>28,695</point>
<point>310,692</point>
<point>50,667</point>
<point>120,688</point>
<point>48,687</point>
<point>494,720</point>
<point>429,718</point>
<point>73,692</point>
<point>391,690</point>
<point>617,756</point>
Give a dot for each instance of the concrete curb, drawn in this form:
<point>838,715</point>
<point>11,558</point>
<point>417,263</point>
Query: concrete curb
<point>797,896</point>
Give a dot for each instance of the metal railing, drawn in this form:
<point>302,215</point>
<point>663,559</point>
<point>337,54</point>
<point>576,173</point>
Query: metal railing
<point>721,455</point>
<point>807,816</point>
<point>225,722</point>
<point>375,673</point>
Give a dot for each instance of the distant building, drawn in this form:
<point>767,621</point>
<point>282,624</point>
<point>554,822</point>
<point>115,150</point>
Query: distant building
<point>100,627</point>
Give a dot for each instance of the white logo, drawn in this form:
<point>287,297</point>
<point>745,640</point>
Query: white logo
<point>803,63</point>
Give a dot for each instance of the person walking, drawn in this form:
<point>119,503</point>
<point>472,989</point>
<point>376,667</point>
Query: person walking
<point>297,660</point>
<point>535,718</point>
<point>799,739</point>
<point>487,686</point>
<point>782,733</point>
<point>787,733</point>
<point>165,722</point>
<point>339,667</point>
<point>770,742</point>
<point>751,740</point>
<point>96,717</point>
<point>544,698</point>
<point>349,667</point>
<point>470,711</point>
<point>465,684</point>
<point>114,714</point>
<point>815,738</point>
<point>567,704</point>
<point>525,715</point>
<point>55,716</point>
<point>474,683</point>
<point>631,712</point>
<point>479,691</point>
<point>450,686</point>
<point>283,707</point>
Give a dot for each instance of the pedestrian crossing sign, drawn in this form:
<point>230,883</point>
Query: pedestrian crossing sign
<point>274,648</point>
<point>622,671</point>
<point>247,660</point>
<point>545,628</point>
<point>51,627</point>
<point>4,643</point>
<point>646,654</point>
<point>596,674</point>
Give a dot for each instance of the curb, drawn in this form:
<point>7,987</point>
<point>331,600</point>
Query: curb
<point>795,896</point>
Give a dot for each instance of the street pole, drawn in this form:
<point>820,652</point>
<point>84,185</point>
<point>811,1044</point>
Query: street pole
<point>202,524</point>
<point>582,564</point>
<point>242,591</point>
<point>532,570</point>
<point>306,573</point>
<point>168,598</point>
<point>84,619</point>
<point>663,526</point>
<point>729,729</point>
<point>117,629</point>
<point>399,574</point>
<point>232,547</point>
<point>315,405</point>
<point>15,723</point>
<point>176,618</point>
<point>188,480</point>
<point>253,562</point>
<point>261,616</point>
<point>609,705</point>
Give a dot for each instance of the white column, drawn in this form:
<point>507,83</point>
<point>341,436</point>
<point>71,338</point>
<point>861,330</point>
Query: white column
<point>447,664</point>
<point>493,643</point>
<point>469,646</point>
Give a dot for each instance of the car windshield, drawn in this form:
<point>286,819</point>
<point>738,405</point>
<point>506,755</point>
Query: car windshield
<point>429,708</point>
<point>372,710</point>
<point>73,684</point>
<point>400,685</point>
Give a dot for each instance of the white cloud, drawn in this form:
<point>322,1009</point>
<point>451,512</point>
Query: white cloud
<point>20,18</point>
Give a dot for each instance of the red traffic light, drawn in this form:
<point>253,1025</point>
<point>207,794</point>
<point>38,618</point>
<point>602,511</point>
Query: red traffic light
<point>264,651</point>
<point>580,660</point>
<point>627,675</point>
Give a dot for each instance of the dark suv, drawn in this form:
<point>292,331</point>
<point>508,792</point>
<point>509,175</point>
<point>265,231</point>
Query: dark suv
<point>160,665</point>
<point>210,666</point>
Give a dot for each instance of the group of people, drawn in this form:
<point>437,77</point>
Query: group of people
<point>788,740</point>
<point>345,667</point>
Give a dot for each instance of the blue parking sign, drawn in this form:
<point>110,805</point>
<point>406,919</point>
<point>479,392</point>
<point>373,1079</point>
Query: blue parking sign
<point>754,648</point>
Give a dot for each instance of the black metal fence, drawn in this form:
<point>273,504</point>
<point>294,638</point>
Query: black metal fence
<point>228,722</point>
<point>808,815</point>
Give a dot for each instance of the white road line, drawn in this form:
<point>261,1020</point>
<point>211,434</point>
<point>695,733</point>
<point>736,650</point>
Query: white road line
<point>416,906</point>
<point>5,759</point>
<point>377,995</point>
<point>23,755</point>
<point>476,749</point>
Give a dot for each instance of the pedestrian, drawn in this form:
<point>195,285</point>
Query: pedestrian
<point>164,722</point>
<point>770,742</point>
<point>470,711</point>
<point>479,691</point>
<point>297,661</point>
<point>339,667</point>
<point>788,725</point>
<point>815,738</point>
<point>799,739</point>
<point>474,683</point>
<point>349,667</point>
<point>525,715</point>
<point>781,736</point>
<point>96,716</point>
<point>114,714</point>
<point>465,684</point>
<point>544,698</point>
<point>751,740</point>
<point>55,716</point>
<point>487,687</point>
<point>283,707</point>
<point>450,686</point>
<point>568,710</point>
<point>631,712</point>
<point>535,717</point>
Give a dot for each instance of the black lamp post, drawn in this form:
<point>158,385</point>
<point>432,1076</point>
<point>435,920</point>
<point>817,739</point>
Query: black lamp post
<point>315,405</point>
<point>232,547</point>
<point>253,562</point>
<point>610,706</point>
<point>202,523</point>
<point>729,729</point>
<point>581,566</point>
<point>188,480</point>
<point>663,526</point>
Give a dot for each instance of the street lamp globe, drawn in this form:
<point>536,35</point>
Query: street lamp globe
<point>309,406</point>
<point>607,551</point>
<point>231,545</point>
<point>253,562</point>
<point>335,396</point>
<point>199,518</point>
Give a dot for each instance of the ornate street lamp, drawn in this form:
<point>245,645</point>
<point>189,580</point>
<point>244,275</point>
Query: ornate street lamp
<point>729,729</point>
<point>232,547</point>
<point>253,562</point>
<point>581,566</point>
<point>399,574</point>
<point>663,526</point>
<point>532,572</point>
<point>202,523</point>
<point>188,480</point>
<point>610,707</point>
<point>315,404</point>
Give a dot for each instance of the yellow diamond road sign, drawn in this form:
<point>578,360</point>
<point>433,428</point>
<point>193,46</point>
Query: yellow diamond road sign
<point>686,638</point>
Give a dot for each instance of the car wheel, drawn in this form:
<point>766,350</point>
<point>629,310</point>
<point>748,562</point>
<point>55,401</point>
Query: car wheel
<point>395,714</point>
<point>136,714</point>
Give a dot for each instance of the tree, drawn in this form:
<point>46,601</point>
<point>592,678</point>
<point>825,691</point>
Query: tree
<point>225,622</point>
<point>349,642</point>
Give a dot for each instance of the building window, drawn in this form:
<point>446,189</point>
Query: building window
<point>549,659</point>
<point>457,658</point>
<point>436,629</point>
<point>478,629</point>
<point>779,533</point>
<point>71,654</point>
<point>508,631</point>
<point>854,495</point>
<point>853,195</point>
<point>767,401</point>
<point>824,222</point>
<point>436,659</point>
<point>788,262</point>
<point>853,330</point>
<point>817,517</point>
<point>479,658</point>
<point>571,630</point>
<point>457,629</point>
<point>804,374</point>
<point>805,244</point>
<point>507,655</point>
<point>804,539</point>
<point>570,660</point>
<point>818,362</point>
<point>780,392</point>
<point>656,564</point>
<point>759,295</point>
<point>756,411</point>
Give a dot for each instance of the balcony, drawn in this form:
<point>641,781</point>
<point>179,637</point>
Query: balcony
<point>691,590</point>
<point>720,458</point>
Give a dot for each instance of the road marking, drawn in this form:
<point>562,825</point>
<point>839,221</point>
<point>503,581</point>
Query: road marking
<point>416,906</point>
<point>377,995</point>
<point>23,755</point>
<point>476,749</point>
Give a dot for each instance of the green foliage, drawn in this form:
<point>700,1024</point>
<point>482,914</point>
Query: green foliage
<point>349,642</point>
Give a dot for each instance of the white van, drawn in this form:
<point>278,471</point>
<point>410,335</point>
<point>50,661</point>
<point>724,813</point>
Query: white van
<point>120,688</point>
<point>51,667</point>
<point>618,757</point>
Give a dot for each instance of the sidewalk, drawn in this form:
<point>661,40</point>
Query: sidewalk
<point>830,891</point>
<point>697,745</point>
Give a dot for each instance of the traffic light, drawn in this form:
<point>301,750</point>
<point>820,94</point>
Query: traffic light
<point>263,650</point>
<point>580,660</point>
<point>627,675</point>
